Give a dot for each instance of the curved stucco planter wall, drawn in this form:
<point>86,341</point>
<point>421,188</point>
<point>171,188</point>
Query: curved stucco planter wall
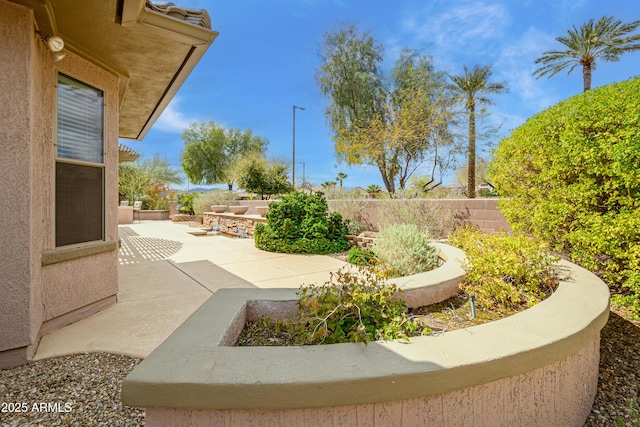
<point>538,367</point>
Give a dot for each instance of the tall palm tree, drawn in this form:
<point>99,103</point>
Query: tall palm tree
<point>474,86</point>
<point>606,39</point>
<point>341,176</point>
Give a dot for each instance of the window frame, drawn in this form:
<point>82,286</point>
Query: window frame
<point>79,162</point>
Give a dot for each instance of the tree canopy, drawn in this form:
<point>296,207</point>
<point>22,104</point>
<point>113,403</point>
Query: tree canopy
<point>211,153</point>
<point>135,180</point>
<point>263,177</point>
<point>388,120</point>
<point>606,39</point>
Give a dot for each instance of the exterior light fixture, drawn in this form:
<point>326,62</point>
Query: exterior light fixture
<point>56,46</point>
<point>54,43</point>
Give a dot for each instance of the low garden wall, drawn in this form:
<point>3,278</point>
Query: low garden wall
<point>152,215</point>
<point>480,212</point>
<point>538,367</point>
<point>125,214</point>
<point>229,222</point>
<point>184,218</point>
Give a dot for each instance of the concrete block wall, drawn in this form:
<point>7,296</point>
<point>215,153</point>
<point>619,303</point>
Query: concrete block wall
<point>479,212</point>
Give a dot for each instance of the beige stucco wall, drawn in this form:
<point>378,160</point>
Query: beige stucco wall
<point>559,394</point>
<point>35,293</point>
<point>73,284</point>
<point>21,62</point>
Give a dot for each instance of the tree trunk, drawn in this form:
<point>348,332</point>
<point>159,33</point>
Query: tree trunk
<point>471,174</point>
<point>586,76</point>
<point>388,181</point>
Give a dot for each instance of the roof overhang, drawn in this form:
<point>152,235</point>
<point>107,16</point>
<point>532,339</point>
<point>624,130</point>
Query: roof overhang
<point>126,154</point>
<point>151,48</point>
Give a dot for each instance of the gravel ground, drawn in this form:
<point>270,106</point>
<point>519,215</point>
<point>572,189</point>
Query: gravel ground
<point>79,390</point>
<point>84,389</point>
<point>618,396</point>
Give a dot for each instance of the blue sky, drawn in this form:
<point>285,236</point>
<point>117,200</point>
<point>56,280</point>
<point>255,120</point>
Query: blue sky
<point>265,58</point>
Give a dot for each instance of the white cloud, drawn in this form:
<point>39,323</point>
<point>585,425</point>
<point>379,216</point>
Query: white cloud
<point>172,119</point>
<point>467,24</point>
<point>515,64</point>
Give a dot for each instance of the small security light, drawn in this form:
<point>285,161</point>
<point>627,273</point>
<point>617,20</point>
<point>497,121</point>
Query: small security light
<point>54,43</point>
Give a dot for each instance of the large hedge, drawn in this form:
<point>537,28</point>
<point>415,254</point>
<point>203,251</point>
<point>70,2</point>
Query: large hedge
<point>571,175</point>
<point>301,223</point>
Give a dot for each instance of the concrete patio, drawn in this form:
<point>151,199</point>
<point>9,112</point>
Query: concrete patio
<point>165,274</point>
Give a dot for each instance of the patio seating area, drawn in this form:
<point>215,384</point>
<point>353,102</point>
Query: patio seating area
<point>165,274</point>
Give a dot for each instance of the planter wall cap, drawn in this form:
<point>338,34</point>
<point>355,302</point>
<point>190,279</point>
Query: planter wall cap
<point>190,369</point>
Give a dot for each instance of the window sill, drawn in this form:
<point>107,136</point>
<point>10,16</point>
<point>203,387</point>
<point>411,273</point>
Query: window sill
<point>70,253</point>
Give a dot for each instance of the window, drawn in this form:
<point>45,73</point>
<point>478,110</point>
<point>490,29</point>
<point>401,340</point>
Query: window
<point>79,184</point>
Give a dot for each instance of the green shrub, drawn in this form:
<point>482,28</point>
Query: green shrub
<point>353,306</point>
<point>301,223</point>
<point>186,201</point>
<point>359,256</point>
<point>505,270</point>
<point>403,249</point>
<point>571,175</point>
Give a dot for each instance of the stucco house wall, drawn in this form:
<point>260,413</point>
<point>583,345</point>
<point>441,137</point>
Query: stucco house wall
<point>21,123</point>
<point>34,293</point>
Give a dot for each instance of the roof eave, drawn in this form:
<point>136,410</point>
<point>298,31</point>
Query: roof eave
<point>134,12</point>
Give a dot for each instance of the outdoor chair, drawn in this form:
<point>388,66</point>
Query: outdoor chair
<point>137,207</point>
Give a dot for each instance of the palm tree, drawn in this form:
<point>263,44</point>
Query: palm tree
<point>473,86</point>
<point>341,176</point>
<point>373,189</point>
<point>606,39</point>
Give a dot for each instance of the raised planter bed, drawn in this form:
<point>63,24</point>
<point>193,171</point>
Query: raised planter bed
<point>538,367</point>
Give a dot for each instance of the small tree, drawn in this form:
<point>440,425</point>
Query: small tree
<point>136,180</point>
<point>263,177</point>
<point>340,177</point>
<point>211,153</point>
<point>389,121</point>
<point>373,190</point>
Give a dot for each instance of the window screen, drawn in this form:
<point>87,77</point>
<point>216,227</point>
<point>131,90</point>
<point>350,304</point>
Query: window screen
<point>79,184</point>
<point>79,203</point>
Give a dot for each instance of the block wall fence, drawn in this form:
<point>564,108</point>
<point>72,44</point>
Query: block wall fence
<point>480,212</point>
